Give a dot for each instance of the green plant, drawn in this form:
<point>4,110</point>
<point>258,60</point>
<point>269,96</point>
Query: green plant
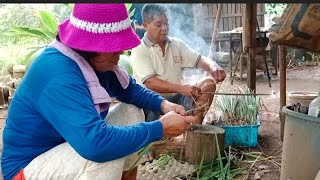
<point>125,63</point>
<point>275,9</point>
<point>42,35</point>
<point>161,162</point>
<point>128,6</point>
<point>131,13</point>
<point>141,152</point>
<point>62,10</point>
<point>238,110</point>
<point>12,15</point>
<point>222,168</point>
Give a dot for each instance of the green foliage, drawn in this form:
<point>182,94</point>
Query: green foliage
<point>12,15</point>
<point>29,33</point>
<point>128,6</point>
<point>29,29</point>
<point>63,10</point>
<point>275,9</point>
<point>125,63</point>
<point>161,162</point>
<point>39,36</point>
<point>124,58</point>
<point>222,168</point>
<point>49,22</point>
<point>141,152</point>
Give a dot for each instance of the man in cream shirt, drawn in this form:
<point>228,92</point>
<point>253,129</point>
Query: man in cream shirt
<point>158,61</point>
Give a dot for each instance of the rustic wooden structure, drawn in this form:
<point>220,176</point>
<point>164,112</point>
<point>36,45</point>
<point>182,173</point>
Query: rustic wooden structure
<point>215,30</point>
<point>230,23</point>
<point>201,143</point>
<point>231,18</point>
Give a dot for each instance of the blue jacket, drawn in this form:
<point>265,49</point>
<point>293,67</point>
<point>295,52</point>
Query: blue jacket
<point>53,105</point>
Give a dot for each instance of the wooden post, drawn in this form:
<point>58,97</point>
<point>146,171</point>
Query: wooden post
<point>230,54</point>
<point>244,33</point>
<point>201,143</point>
<point>283,87</point>
<point>250,27</point>
<point>215,30</point>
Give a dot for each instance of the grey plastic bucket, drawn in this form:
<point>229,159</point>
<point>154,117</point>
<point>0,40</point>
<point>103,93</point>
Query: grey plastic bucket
<point>301,146</point>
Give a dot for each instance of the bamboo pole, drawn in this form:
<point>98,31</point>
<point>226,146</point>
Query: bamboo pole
<point>283,87</point>
<point>236,94</point>
<point>215,30</point>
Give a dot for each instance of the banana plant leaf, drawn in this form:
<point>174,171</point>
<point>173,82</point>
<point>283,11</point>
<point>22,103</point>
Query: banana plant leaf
<point>49,22</point>
<point>27,32</point>
<point>71,5</point>
<point>128,6</point>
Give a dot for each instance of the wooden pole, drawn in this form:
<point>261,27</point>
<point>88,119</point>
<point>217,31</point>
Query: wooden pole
<point>283,87</point>
<point>244,32</point>
<point>201,143</point>
<point>250,28</point>
<point>215,30</point>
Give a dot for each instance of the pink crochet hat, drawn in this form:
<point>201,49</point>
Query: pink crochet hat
<point>99,28</point>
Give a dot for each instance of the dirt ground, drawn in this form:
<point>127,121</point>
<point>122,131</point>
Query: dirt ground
<point>269,143</point>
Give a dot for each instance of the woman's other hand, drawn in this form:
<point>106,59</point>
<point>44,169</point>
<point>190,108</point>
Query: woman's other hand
<point>175,124</point>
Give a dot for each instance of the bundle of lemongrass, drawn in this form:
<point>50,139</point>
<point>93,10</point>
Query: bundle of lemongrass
<point>237,110</point>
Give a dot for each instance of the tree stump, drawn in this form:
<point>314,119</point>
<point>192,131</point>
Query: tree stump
<point>201,142</point>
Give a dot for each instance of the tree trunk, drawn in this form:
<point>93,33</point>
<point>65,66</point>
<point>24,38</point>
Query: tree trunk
<point>201,143</point>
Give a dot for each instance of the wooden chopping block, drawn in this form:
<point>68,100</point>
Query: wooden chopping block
<point>201,142</point>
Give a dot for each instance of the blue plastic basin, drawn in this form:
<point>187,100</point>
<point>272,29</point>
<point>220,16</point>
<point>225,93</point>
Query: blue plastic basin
<point>244,135</point>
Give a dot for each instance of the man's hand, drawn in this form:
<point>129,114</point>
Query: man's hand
<point>189,90</point>
<point>213,68</point>
<point>167,106</point>
<point>174,124</point>
<point>217,73</point>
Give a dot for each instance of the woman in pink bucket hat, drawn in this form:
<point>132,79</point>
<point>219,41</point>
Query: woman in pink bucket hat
<point>60,124</point>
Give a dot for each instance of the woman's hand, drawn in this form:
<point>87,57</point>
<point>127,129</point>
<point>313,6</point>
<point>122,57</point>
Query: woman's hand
<point>167,106</point>
<point>174,124</point>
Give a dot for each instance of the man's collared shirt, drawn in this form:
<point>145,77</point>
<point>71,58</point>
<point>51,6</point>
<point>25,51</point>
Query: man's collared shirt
<point>148,60</point>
